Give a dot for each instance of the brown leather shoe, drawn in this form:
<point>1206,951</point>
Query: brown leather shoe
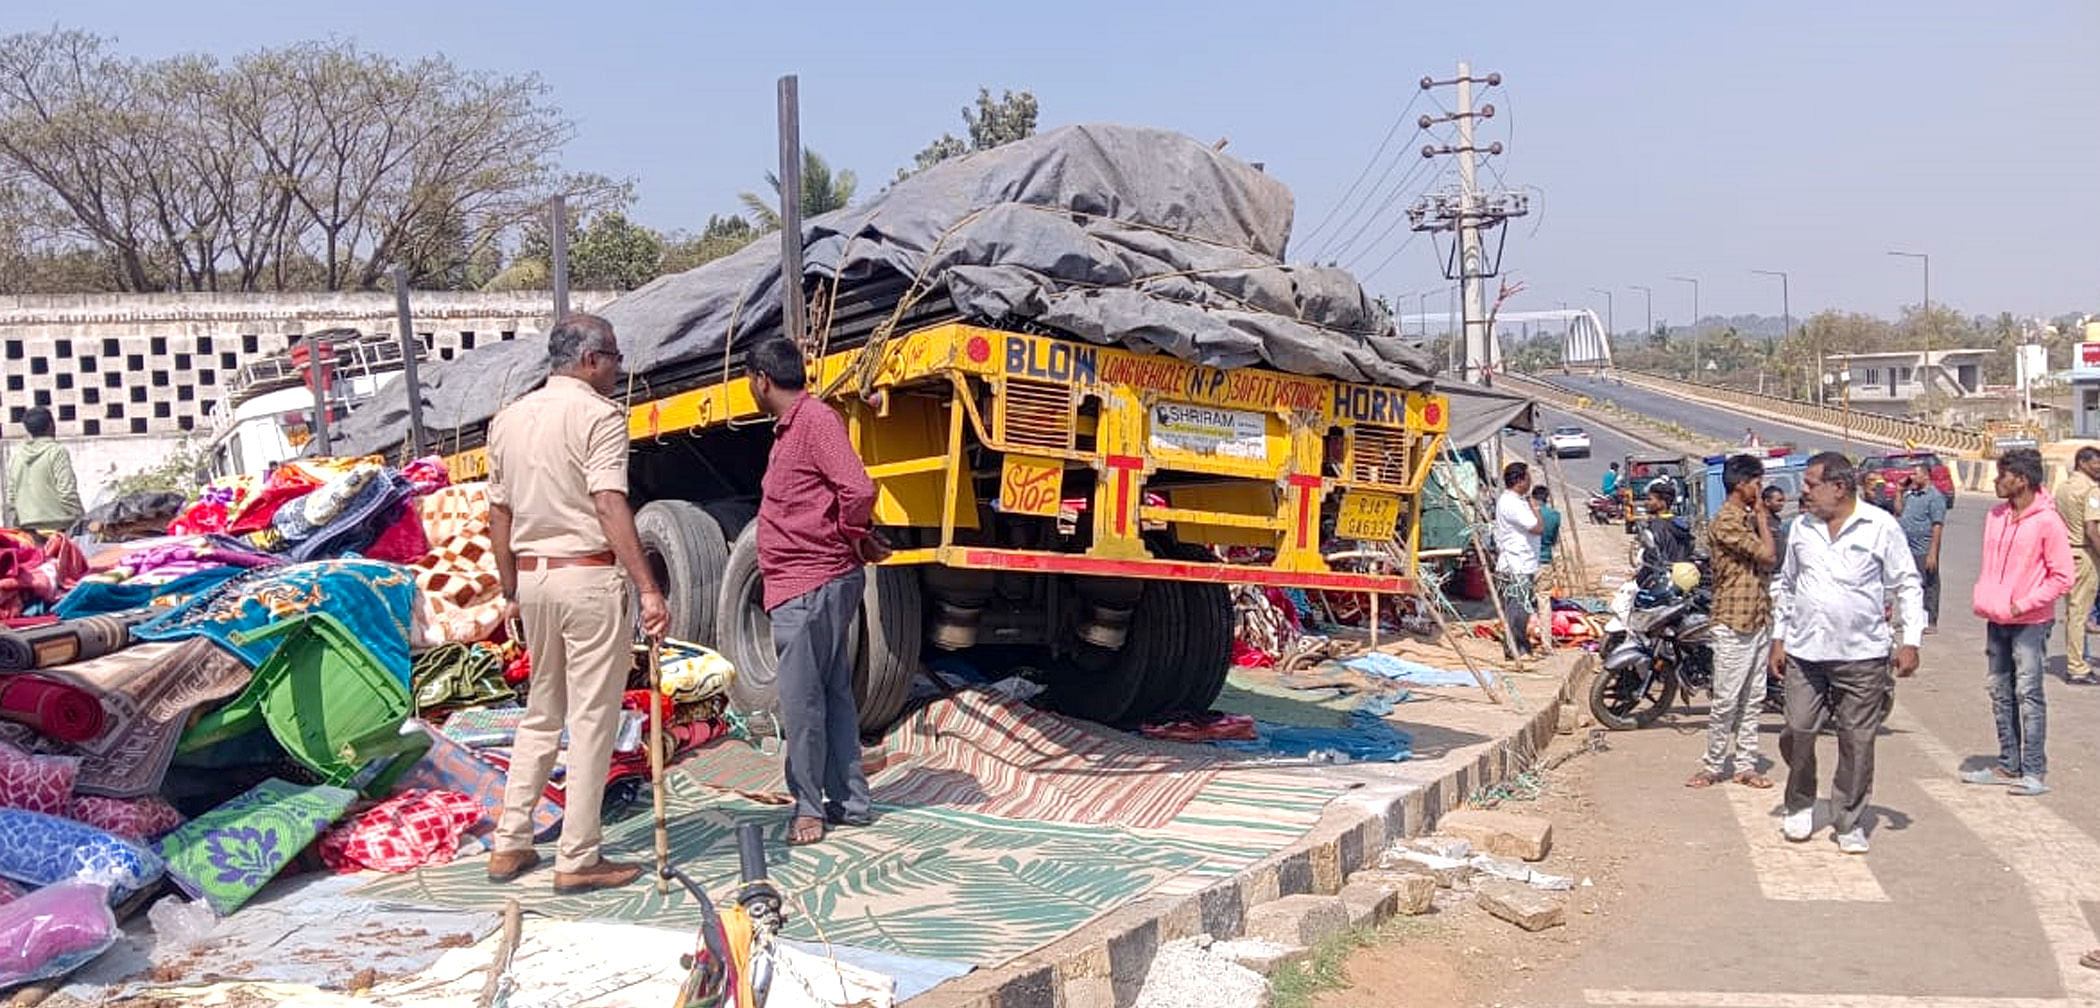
<point>505,866</point>
<point>603,875</point>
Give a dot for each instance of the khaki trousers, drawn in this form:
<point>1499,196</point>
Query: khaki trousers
<point>578,632</point>
<point>2078,608</point>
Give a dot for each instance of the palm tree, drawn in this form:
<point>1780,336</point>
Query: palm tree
<point>822,192</point>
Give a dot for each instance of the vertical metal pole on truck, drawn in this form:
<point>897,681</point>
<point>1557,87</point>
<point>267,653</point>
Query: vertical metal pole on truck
<point>792,318</point>
<point>320,360</point>
<point>558,248</point>
<point>411,349</point>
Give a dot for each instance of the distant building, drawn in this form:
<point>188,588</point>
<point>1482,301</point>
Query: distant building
<point>1900,376</point>
<point>2085,385</point>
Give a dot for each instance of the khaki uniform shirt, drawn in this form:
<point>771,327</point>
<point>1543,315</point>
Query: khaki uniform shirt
<point>548,453</point>
<point>2078,501</point>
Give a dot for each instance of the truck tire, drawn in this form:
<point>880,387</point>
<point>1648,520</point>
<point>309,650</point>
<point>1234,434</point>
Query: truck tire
<point>885,641</point>
<point>1163,681</point>
<point>1105,690</point>
<point>686,548</point>
<point>892,632</point>
<point>1208,658</point>
<point>745,632</point>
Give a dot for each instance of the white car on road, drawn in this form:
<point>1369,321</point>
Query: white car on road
<point>1569,442</point>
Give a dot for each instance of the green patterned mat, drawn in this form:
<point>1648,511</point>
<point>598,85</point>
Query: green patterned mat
<point>938,883</point>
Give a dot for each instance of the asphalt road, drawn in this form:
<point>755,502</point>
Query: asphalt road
<point>1709,421</point>
<point>1970,898</point>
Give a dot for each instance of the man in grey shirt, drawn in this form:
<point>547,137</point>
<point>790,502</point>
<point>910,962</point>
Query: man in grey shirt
<point>1832,640</point>
<point>1922,511</point>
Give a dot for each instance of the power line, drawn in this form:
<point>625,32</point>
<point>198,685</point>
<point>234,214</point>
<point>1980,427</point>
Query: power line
<point>1361,175</point>
<point>1368,250</point>
<point>1336,251</point>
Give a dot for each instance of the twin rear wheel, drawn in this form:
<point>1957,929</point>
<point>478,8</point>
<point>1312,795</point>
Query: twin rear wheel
<point>706,557</point>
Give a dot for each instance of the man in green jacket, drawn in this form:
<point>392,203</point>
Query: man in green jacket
<point>41,494</point>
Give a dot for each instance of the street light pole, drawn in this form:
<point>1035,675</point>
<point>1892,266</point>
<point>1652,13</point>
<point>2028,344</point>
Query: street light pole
<point>1648,295</point>
<point>1786,321</point>
<point>1695,322</point>
<point>1925,260</point>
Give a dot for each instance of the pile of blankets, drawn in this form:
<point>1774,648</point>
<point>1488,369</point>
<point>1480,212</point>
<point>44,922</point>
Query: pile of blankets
<point>152,693</point>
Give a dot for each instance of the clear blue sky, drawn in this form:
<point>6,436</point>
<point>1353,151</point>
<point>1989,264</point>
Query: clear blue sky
<point>1698,139</point>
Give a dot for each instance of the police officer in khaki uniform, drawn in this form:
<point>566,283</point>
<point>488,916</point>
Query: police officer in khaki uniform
<point>564,534</point>
<point>2078,502</point>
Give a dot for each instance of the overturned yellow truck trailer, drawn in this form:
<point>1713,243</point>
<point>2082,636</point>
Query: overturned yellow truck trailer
<point>1075,366</point>
<point>1052,502</point>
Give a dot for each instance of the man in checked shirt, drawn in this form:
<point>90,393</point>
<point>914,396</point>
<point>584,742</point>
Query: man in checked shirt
<point>814,538</point>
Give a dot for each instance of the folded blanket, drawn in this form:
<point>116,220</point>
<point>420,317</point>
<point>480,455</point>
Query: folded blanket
<point>374,600</point>
<point>41,850</point>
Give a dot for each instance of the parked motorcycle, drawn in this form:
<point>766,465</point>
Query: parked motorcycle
<point>1656,648</point>
<point>1606,510</point>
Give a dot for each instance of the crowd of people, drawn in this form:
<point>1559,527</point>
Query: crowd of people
<point>1825,610</point>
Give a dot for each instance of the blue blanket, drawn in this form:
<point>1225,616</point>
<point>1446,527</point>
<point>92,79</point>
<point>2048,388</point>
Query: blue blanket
<point>97,598</point>
<point>375,600</point>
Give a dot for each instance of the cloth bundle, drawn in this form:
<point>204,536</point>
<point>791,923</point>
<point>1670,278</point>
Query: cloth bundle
<point>146,694</point>
<point>36,574</point>
<point>68,641</point>
<point>459,675</point>
<point>414,828</point>
<point>40,850</point>
<point>461,594</point>
<point>36,783</point>
<point>53,708</point>
<point>54,931</point>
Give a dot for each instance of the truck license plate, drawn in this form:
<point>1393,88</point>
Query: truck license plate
<point>1367,515</point>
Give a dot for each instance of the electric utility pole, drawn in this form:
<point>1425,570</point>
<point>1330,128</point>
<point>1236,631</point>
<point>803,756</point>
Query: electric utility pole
<point>1465,214</point>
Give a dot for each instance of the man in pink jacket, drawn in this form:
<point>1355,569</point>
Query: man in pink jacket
<point>2026,568</point>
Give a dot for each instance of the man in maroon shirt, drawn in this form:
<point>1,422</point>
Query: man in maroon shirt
<point>814,537</point>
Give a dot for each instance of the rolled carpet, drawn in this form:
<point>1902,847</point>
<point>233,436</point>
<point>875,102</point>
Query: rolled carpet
<point>67,641</point>
<point>56,710</point>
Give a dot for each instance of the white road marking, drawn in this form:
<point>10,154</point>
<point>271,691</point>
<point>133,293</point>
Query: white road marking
<point>2054,859</point>
<point>1814,870</point>
<point>1752,999</point>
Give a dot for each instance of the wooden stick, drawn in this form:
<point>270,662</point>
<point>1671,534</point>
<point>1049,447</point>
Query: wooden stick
<point>656,765</point>
<point>1451,638</point>
<point>506,947</point>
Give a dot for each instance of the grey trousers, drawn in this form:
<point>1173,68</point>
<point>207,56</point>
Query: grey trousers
<point>1853,695</point>
<point>1740,661</point>
<point>817,709</point>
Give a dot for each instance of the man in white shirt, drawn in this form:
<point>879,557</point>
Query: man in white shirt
<point>1517,531</point>
<point>1831,639</point>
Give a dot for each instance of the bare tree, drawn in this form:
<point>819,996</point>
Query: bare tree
<point>316,164</point>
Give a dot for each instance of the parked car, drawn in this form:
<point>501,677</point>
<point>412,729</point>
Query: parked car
<point>1783,468</point>
<point>1569,442</point>
<point>1894,468</point>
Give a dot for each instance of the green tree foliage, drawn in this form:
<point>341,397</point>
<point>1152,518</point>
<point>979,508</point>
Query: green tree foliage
<point>991,122</point>
<point>721,236</point>
<point>614,253</point>
<point>314,165</point>
<point>822,192</point>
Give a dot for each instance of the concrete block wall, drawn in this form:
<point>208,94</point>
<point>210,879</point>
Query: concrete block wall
<point>155,365</point>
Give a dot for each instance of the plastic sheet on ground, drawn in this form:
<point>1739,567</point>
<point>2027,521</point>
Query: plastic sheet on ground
<point>558,964</point>
<point>301,932</point>
<point>1367,738</point>
<point>1413,673</point>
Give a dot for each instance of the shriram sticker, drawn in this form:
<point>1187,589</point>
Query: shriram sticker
<point>1205,430</point>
